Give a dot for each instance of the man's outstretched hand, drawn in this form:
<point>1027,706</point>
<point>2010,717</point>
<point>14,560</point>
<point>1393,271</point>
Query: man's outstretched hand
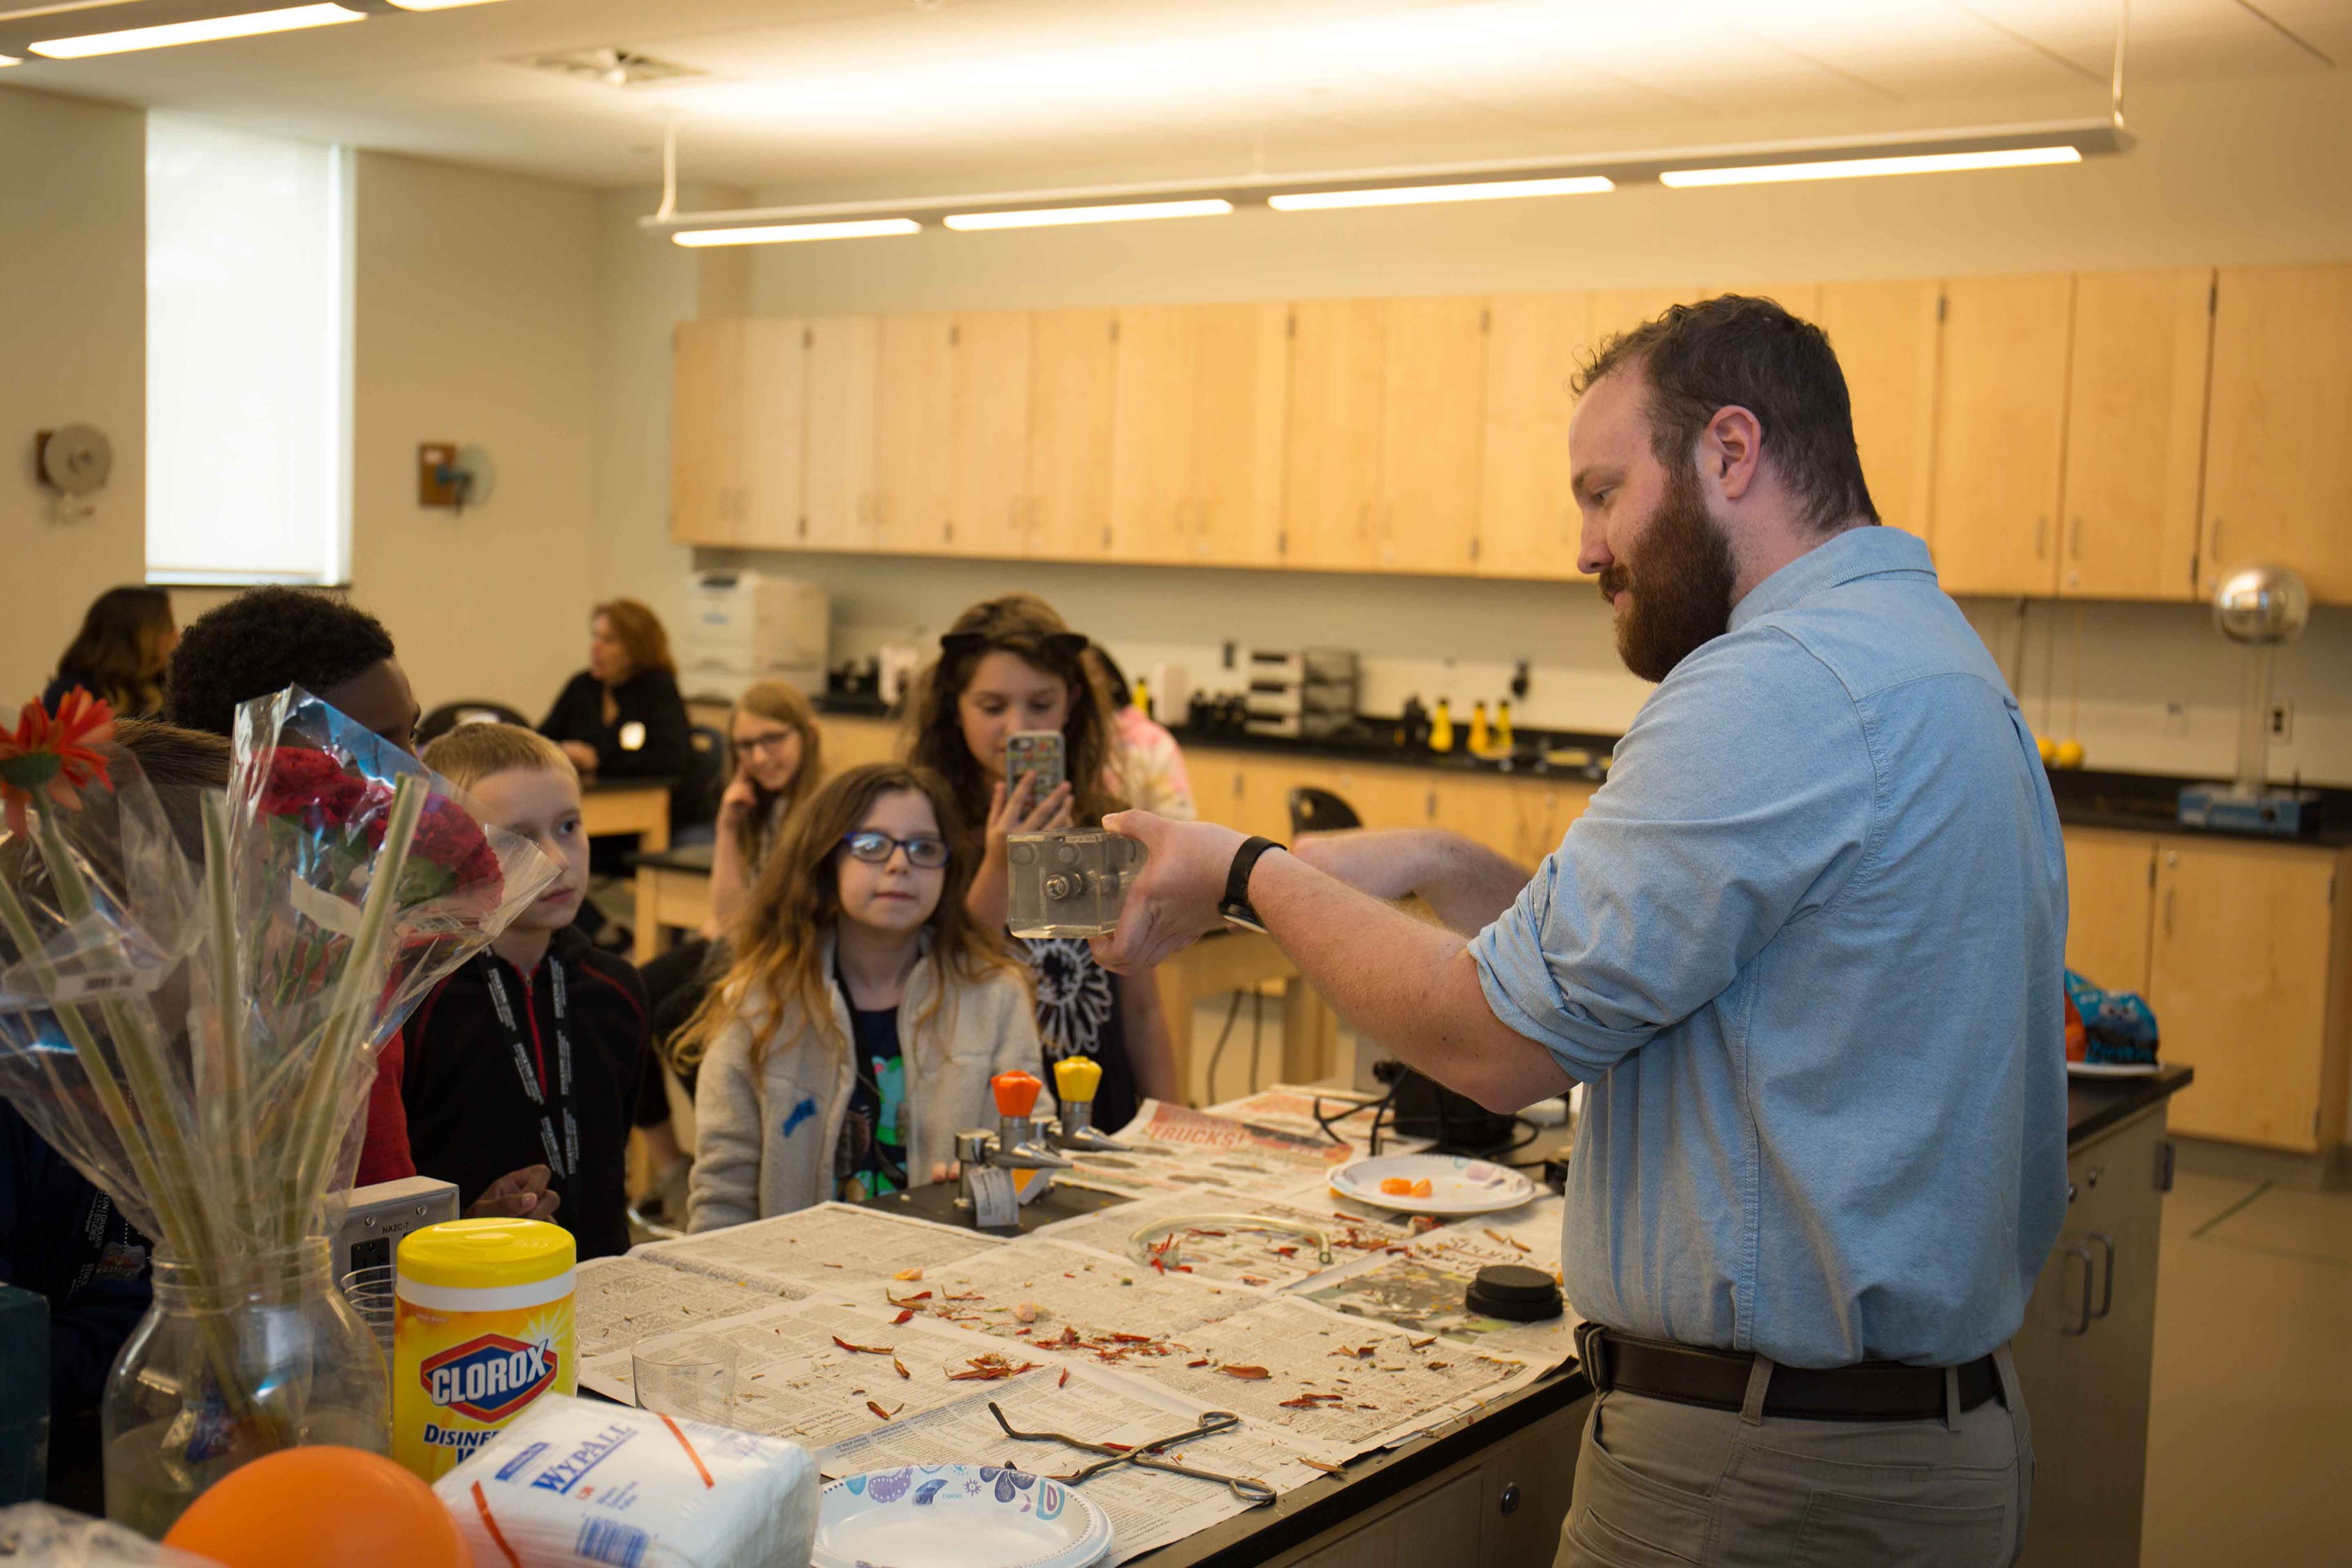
<point>1173,902</point>
<point>518,1195</point>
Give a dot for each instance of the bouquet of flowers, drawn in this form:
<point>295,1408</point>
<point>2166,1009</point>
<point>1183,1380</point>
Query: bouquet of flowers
<point>195,981</point>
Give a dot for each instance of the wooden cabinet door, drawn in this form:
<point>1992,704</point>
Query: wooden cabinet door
<point>1152,438</point>
<point>1073,382</point>
<point>2110,903</point>
<point>2001,421</point>
<point>2280,422</point>
<point>2136,434</point>
<point>1339,355</point>
<point>1885,335</point>
<point>705,425</point>
<point>913,433</point>
<point>1528,525</point>
<point>774,434</point>
<point>838,479</point>
<point>1240,383</point>
<point>992,433</point>
<point>1546,811</point>
<point>2237,978</point>
<point>1483,810</point>
<point>1433,417</point>
<point>854,742</point>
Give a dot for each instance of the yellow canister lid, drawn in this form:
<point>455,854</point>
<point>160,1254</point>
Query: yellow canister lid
<point>1076,1078</point>
<point>486,1254</point>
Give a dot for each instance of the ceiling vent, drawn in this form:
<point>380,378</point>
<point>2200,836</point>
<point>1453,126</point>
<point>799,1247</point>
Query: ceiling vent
<point>612,67</point>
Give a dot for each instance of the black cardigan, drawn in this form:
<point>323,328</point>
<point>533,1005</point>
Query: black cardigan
<point>665,750</point>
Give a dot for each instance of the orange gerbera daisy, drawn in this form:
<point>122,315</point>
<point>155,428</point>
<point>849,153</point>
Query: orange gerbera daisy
<point>49,754</point>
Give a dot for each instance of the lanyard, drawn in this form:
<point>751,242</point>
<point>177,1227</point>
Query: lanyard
<point>562,1158</point>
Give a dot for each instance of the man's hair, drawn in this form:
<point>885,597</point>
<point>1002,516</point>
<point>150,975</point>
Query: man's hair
<point>264,641</point>
<point>472,753</point>
<point>1697,360</point>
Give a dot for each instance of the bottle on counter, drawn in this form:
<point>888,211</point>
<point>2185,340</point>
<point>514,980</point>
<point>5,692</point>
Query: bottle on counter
<point>1413,724</point>
<point>1141,697</point>
<point>1441,728</point>
<point>1503,740</point>
<point>1482,737</point>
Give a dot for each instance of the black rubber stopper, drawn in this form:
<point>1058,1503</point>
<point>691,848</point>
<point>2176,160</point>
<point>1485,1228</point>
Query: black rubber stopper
<point>1515,1293</point>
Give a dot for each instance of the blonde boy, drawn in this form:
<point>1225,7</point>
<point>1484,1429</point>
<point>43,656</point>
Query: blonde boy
<point>534,1051</point>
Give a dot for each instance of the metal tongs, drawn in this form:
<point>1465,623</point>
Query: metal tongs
<point>1148,1456</point>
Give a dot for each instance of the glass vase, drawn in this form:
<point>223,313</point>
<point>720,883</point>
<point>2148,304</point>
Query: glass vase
<point>238,1358</point>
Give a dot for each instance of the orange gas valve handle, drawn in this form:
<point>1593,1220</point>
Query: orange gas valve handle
<point>1075,1080</point>
<point>1016,1093</point>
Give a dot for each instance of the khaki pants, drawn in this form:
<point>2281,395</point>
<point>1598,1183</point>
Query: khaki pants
<point>1663,1484</point>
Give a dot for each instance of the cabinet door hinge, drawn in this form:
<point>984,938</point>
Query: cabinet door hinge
<point>2213,296</point>
<point>1486,318</point>
<point>808,337</point>
<point>1290,324</point>
<point>1114,329</point>
<point>1282,541</point>
<point>1473,547</point>
<point>2151,869</point>
<point>1941,304</point>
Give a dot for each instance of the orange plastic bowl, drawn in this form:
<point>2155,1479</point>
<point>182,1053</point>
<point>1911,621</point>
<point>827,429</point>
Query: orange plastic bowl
<point>303,1506</point>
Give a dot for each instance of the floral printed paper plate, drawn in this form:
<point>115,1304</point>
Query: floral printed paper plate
<point>1432,1185</point>
<point>966,1516</point>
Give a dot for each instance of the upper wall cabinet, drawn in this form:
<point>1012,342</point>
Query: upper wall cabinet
<point>2136,434</point>
<point>843,361</point>
<point>1339,363</point>
<point>1885,335</point>
<point>915,434</point>
<point>1528,520</point>
<point>1197,462</point>
<point>1433,403</point>
<point>987,513</point>
<point>2001,432</point>
<point>2277,487</point>
<point>1072,401</point>
<point>706,442</point>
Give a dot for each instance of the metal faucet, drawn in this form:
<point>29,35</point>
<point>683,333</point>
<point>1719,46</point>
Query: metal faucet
<point>987,1196</point>
<point>1075,1080</point>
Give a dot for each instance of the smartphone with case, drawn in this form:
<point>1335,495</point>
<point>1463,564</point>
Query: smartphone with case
<point>1038,753</point>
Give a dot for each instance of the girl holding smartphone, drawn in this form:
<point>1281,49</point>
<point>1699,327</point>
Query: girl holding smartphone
<point>1012,666</point>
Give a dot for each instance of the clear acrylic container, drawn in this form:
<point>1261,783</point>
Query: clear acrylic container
<point>1068,881</point>
<point>235,1359</point>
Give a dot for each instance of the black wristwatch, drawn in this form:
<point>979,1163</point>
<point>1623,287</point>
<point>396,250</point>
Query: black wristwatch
<point>1235,905</point>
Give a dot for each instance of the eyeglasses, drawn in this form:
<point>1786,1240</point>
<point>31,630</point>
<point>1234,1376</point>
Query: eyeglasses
<point>874,848</point>
<point>773,742</point>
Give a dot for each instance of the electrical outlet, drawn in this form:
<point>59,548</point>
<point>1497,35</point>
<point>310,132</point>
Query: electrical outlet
<point>2176,719</point>
<point>2283,721</point>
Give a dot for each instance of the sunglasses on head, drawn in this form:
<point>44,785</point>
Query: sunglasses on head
<point>874,848</point>
<point>1064,646</point>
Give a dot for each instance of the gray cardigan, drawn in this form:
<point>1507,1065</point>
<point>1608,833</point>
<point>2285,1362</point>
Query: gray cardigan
<point>766,1135</point>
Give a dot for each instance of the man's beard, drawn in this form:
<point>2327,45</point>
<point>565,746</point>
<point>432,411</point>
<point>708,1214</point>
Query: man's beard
<point>1681,580</point>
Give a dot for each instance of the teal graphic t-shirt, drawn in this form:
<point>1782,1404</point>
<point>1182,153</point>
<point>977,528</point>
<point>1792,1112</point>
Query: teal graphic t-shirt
<point>872,1159</point>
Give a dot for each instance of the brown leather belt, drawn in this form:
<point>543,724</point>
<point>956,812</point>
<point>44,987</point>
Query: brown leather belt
<point>1692,1374</point>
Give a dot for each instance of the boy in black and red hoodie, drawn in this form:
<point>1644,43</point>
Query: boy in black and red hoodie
<point>534,1051</point>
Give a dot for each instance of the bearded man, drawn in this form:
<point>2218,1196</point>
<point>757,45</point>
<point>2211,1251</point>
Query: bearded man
<point>1805,948</point>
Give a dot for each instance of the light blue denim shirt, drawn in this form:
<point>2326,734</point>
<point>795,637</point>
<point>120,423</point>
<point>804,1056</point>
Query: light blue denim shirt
<point>1806,947</point>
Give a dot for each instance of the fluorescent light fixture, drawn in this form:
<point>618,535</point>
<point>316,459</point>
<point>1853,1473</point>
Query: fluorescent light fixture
<point>786,233</point>
<point>438,4</point>
<point>1409,195</point>
<point>250,25</point>
<point>7,60</point>
<point>1861,168</point>
<point>1123,212</point>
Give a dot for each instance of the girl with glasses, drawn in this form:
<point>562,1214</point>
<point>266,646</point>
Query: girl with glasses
<point>864,1012</point>
<point>1009,665</point>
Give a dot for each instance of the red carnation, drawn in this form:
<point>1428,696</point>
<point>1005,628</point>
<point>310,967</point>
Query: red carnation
<point>50,756</point>
<point>310,787</point>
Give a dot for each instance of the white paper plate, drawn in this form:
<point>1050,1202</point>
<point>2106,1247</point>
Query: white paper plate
<point>1457,1185</point>
<point>2114,1069</point>
<point>957,1516</point>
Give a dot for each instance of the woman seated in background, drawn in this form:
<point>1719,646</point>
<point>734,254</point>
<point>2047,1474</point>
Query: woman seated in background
<point>1009,665</point>
<point>1149,765</point>
<point>622,716</point>
<point>866,1012</point>
<point>126,640</point>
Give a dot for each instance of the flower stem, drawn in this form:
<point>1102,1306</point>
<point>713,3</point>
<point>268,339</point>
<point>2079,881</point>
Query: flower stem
<point>229,1114</point>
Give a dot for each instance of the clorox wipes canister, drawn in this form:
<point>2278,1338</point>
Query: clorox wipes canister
<point>482,1328</point>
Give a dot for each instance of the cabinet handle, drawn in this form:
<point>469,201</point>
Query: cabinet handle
<point>2167,912</point>
<point>2075,539</point>
<point>2216,544</point>
<point>2082,1325</point>
<point>2107,1279</point>
<point>1508,1500</point>
<point>2041,537</point>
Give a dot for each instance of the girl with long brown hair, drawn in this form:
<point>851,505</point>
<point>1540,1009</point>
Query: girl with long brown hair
<point>857,1030</point>
<point>126,641</point>
<point>774,761</point>
<point>1008,665</point>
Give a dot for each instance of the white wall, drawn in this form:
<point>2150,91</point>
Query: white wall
<point>2228,172</point>
<point>73,350</point>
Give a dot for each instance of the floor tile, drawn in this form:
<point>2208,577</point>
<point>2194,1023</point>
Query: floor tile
<point>2295,1221</point>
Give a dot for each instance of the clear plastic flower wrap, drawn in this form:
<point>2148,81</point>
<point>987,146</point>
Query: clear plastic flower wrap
<point>195,983</point>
